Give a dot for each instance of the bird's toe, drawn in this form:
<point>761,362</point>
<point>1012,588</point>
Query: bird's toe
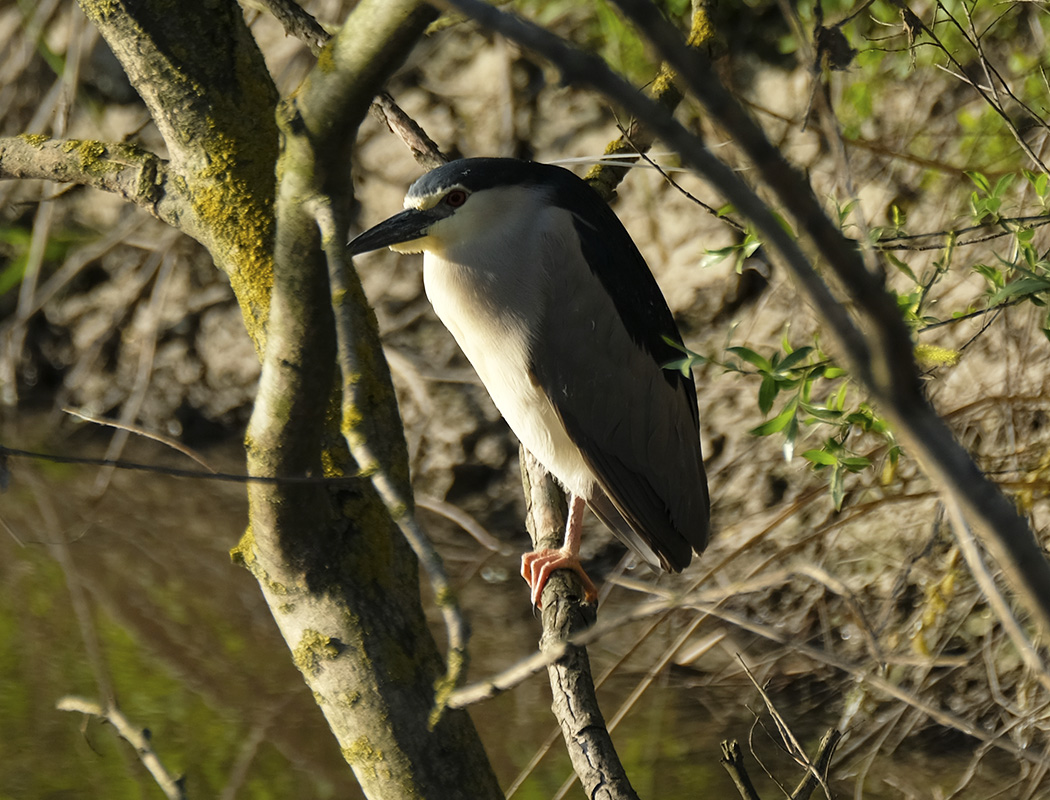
<point>536,569</point>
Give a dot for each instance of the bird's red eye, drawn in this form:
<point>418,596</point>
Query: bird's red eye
<point>456,198</point>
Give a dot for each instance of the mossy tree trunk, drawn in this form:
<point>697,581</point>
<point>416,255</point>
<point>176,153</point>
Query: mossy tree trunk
<point>340,579</point>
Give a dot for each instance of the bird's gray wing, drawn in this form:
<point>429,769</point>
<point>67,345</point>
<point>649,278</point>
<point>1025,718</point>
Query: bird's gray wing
<point>599,356</point>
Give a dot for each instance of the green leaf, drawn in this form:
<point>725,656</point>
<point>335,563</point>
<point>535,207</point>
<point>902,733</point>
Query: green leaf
<point>752,357</point>
<point>790,435</point>
<point>845,211</point>
<point>791,359</point>
<point>1003,184</point>
<point>779,422</point>
<point>722,252</point>
<point>902,267</point>
<point>1038,181</point>
<point>992,274</point>
<point>714,257</point>
<point>822,412</point>
<point>836,487</point>
<point>767,393</point>
<point>980,181</point>
<point>1020,287</point>
<point>820,457</point>
<point>683,365</point>
<point>856,463</point>
<point>838,402</point>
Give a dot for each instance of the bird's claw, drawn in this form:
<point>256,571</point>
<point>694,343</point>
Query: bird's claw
<point>536,569</point>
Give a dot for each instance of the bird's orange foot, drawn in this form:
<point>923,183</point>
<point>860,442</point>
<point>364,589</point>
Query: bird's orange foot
<point>536,569</point>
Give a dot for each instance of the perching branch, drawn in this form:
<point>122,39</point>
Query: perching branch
<point>594,758</point>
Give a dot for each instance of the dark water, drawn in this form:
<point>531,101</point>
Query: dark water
<point>189,648</point>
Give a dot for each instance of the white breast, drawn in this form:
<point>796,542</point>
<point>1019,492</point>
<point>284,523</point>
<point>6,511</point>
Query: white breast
<point>487,308</point>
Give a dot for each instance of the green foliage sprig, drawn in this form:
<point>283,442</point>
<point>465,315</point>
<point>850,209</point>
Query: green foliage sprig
<point>807,390</point>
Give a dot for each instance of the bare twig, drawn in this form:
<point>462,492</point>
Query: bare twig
<point>299,23</point>
<point>728,220</point>
<point>424,150</point>
<point>636,138</point>
<point>974,560</point>
<point>136,737</point>
<point>791,743</point>
<point>821,764</point>
<point>14,338</point>
<point>733,761</point>
<point>167,441</point>
<point>506,679</point>
<point>80,257</point>
<point>78,599</point>
<point>296,20</point>
<point>148,343</point>
<point>455,514</point>
<point>989,94</point>
<point>242,763</point>
<point>527,667</point>
<point>886,687</point>
<point>230,477</point>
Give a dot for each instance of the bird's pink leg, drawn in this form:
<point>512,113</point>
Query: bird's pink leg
<point>536,567</point>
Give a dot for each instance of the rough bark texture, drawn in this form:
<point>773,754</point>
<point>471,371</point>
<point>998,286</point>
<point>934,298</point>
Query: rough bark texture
<point>575,703</point>
<point>140,177</point>
<point>206,86</point>
<point>338,576</point>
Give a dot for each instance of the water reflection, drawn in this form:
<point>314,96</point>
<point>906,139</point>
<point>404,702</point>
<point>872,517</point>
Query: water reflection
<point>194,656</point>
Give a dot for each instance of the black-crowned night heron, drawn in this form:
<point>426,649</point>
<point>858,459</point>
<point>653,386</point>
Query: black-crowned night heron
<point>554,306</point>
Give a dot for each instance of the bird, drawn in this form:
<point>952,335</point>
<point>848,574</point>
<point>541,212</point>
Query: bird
<point>556,309</point>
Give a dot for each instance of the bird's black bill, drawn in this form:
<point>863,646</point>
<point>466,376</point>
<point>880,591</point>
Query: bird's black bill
<point>410,224</point>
